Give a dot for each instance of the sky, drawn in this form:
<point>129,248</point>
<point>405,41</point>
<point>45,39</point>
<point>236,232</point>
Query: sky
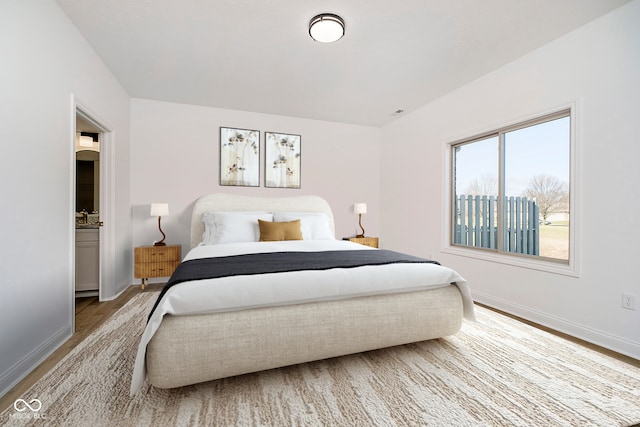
<point>535,150</point>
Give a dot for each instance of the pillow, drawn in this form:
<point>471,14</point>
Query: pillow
<point>277,231</point>
<point>314,225</point>
<point>232,227</point>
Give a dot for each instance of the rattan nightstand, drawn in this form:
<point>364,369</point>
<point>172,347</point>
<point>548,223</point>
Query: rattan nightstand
<point>367,241</point>
<point>155,261</point>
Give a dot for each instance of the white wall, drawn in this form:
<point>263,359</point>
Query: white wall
<point>175,159</point>
<point>44,61</point>
<point>596,66</point>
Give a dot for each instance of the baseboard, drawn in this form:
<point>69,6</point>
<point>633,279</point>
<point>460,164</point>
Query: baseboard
<point>591,335</point>
<point>17,372</point>
<point>123,286</point>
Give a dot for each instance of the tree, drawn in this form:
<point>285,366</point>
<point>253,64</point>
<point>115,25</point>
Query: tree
<point>486,185</point>
<point>549,192</point>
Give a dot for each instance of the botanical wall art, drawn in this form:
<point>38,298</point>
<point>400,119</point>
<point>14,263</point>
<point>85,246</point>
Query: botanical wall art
<point>239,157</point>
<point>282,161</point>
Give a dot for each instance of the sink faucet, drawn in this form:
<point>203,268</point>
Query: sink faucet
<point>85,216</point>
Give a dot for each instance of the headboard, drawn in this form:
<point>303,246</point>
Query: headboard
<point>230,202</point>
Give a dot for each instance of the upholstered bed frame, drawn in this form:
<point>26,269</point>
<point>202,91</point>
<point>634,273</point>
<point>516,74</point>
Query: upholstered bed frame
<point>197,348</point>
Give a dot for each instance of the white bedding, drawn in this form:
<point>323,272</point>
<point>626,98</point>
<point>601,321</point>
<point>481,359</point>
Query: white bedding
<point>247,292</point>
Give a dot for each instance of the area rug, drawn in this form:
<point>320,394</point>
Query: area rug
<point>495,372</point>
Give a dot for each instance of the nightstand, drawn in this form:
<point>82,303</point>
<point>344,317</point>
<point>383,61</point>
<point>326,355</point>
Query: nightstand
<point>367,241</point>
<point>155,261</point>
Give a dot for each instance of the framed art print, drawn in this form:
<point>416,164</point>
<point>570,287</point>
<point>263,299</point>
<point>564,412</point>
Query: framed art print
<point>239,157</point>
<point>282,160</point>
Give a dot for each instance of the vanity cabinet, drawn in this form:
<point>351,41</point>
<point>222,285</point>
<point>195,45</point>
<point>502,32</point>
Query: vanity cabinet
<point>87,260</point>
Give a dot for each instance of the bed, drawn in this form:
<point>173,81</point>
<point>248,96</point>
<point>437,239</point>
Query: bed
<point>277,313</point>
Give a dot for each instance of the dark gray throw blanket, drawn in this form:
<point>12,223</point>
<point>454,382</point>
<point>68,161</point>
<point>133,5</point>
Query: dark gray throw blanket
<point>281,262</point>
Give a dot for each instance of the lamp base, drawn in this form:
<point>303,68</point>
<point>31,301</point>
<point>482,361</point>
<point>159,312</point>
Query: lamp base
<point>159,244</point>
<point>361,227</point>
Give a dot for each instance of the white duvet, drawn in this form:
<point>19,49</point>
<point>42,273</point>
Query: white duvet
<point>246,292</point>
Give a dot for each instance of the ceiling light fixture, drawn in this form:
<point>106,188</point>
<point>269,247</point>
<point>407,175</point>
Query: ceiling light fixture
<point>326,28</point>
<point>85,141</point>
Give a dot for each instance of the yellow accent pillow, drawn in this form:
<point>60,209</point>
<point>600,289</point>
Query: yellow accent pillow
<point>277,231</point>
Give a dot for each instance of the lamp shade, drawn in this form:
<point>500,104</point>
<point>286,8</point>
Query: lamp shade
<point>360,208</point>
<point>326,28</point>
<point>159,209</point>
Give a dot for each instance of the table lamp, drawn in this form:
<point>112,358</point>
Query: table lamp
<point>360,208</point>
<point>160,210</point>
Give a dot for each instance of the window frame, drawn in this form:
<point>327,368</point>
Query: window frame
<point>568,267</point>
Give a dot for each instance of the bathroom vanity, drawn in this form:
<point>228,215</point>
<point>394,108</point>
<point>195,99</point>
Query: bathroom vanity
<point>87,258</point>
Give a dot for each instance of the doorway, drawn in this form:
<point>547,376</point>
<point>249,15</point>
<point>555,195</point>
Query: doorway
<point>87,208</point>
<point>98,198</point>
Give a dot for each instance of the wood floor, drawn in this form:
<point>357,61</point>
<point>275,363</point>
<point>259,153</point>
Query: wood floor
<point>90,314</point>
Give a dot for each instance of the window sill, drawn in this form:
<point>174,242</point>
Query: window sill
<point>569,269</point>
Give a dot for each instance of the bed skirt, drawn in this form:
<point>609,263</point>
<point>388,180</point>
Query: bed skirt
<point>197,348</point>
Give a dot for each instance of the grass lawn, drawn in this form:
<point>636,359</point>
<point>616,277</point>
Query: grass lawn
<point>554,240</point>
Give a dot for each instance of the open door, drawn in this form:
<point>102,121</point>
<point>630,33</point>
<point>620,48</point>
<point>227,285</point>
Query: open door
<point>96,221</point>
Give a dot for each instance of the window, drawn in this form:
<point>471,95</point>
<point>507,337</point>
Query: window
<point>510,190</point>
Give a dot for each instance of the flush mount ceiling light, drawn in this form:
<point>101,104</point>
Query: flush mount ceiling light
<point>326,28</point>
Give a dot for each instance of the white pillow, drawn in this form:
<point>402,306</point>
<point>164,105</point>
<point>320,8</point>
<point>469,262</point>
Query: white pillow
<point>314,225</point>
<point>232,227</point>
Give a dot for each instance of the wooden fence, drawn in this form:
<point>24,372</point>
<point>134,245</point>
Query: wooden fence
<point>477,223</point>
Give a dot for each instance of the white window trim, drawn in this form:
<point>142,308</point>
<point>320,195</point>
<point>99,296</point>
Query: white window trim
<point>572,268</point>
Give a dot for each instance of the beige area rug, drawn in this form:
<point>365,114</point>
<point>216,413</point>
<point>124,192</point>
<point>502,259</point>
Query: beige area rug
<point>494,372</point>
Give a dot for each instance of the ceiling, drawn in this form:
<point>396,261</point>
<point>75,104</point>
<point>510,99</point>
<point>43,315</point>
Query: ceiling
<point>256,55</point>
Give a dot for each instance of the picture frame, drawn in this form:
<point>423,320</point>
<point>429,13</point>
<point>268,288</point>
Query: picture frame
<point>239,157</point>
<point>282,160</point>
